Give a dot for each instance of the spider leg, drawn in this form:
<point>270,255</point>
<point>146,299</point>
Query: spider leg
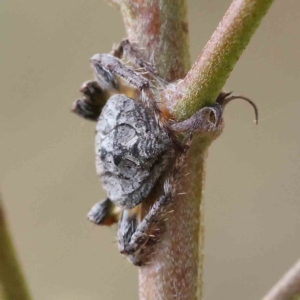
<point>132,52</point>
<point>94,98</point>
<point>127,227</point>
<point>104,212</point>
<point>114,66</point>
<point>133,237</point>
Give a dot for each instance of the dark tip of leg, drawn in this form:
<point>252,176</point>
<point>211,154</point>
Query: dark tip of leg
<point>102,213</point>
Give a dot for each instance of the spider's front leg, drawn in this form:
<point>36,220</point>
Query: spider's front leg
<point>96,94</point>
<point>114,66</point>
<point>131,52</point>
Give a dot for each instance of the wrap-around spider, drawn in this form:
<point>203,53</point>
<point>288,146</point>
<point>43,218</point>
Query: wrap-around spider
<point>136,145</point>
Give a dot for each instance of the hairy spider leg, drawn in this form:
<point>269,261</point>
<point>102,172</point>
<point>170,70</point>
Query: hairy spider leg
<point>135,56</point>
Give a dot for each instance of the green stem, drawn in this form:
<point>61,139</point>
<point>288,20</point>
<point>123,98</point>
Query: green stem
<point>11,276</point>
<point>209,73</point>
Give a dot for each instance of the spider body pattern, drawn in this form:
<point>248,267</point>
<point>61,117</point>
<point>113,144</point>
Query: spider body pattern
<point>136,147</point>
<point>131,151</point>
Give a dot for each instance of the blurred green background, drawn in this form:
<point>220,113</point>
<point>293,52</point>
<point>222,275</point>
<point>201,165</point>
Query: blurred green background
<point>47,174</point>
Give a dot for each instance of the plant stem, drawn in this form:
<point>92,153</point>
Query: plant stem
<point>288,287</point>
<point>11,276</point>
<point>160,28</point>
<point>209,73</point>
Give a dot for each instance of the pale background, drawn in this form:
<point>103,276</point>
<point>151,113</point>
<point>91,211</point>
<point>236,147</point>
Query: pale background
<point>47,174</point>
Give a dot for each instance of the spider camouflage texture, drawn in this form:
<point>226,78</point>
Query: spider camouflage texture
<point>136,145</point>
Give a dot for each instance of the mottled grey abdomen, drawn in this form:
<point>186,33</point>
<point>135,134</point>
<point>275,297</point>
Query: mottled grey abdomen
<point>130,151</point>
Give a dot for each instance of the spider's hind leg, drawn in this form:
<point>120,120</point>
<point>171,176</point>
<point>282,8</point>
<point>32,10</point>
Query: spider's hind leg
<point>113,65</point>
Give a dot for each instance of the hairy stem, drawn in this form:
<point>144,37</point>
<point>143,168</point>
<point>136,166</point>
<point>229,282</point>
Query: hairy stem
<point>11,276</point>
<point>288,287</point>
<point>160,27</point>
<point>209,73</point>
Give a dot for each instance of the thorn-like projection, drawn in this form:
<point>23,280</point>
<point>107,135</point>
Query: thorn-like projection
<point>224,98</point>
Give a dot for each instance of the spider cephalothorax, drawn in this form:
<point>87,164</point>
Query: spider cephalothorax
<point>135,144</point>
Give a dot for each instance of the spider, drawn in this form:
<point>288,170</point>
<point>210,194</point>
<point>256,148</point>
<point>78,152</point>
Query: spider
<point>136,145</point>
